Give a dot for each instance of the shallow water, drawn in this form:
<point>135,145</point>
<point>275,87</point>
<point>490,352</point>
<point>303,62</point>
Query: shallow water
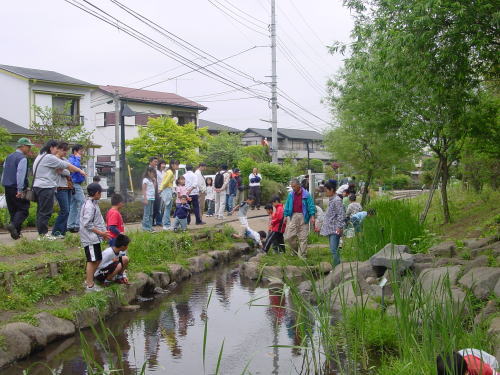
<point>167,334</point>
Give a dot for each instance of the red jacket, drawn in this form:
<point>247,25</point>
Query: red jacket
<point>278,220</point>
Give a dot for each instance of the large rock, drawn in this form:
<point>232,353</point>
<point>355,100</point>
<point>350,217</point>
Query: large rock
<point>325,268</point>
<point>87,317</point>
<point>443,249</point>
<point>449,262</point>
<point>393,257</point>
<point>201,263</point>
<point>250,270</point>
<point>256,258</point>
<point>53,327</point>
<point>494,329</point>
<point>162,279</point>
<point>269,272</point>
<point>238,249</point>
<point>20,340</point>
<point>433,279</point>
<point>178,273</point>
<point>418,268</point>
<point>144,284</point>
<point>488,310</point>
<point>349,294</point>
<point>476,243</point>
<point>490,248</point>
<point>481,280</point>
<point>480,261</point>
<point>422,258</point>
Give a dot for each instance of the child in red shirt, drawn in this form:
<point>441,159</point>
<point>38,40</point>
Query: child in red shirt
<point>114,219</point>
<point>277,227</point>
<point>467,362</point>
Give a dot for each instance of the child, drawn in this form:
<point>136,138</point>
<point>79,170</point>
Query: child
<point>232,188</point>
<point>358,218</point>
<point>242,209</point>
<point>92,232</point>
<point>353,208</point>
<point>181,213</point>
<point>269,209</point>
<point>467,361</point>
<point>210,197</point>
<point>114,262</point>
<point>334,221</point>
<point>96,179</point>
<point>257,237</point>
<point>148,192</point>
<point>180,189</point>
<point>114,220</point>
<point>277,227</point>
<point>345,199</point>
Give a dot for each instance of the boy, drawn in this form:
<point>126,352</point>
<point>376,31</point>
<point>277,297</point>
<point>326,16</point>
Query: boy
<point>357,219</point>
<point>467,362</point>
<point>114,262</point>
<point>353,208</point>
<point>257,237</point>
<point>181,213</point>
<point>114,220</point>
<point>92,232</point>
<point>277,227</point>
<point>242,209</point>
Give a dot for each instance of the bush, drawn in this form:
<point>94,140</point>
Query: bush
<point>131,212</point>
<point>276,172</point>
<point>30,220</point>
<point>271,188</point>
<point>399,181</point>
<point>315,164</point>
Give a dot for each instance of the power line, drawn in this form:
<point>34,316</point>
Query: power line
<point>237,20</point>
<point>246,18</point>
<point>245,13</point>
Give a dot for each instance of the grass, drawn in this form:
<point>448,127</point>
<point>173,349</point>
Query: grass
<point>313,258</point>
<point>25,246</point>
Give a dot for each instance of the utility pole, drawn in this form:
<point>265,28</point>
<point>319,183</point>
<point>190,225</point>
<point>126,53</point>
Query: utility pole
<point>123,169</point>
<point>274,85</point>
<point>117,142</point>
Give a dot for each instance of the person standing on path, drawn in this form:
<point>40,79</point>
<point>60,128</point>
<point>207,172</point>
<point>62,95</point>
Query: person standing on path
<point>15,183</point>
<point>77,197</point>
<point>63,194</point>
<point>148,193</point>
<point>239,186</point>
<point>334,221</point>
<point>220,184</point>
<point>160,173</point>
<point>153,163</point>
<point>46,170</point>
<point>299,211</point>
<point>254,182</point>
<point>202,186</point>
<point>166,192</point>
<point>193,192</point>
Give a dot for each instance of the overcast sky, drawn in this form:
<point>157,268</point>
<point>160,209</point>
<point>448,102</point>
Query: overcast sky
<point>54,35</point>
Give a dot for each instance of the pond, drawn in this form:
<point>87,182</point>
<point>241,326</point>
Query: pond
<point>167,334</point>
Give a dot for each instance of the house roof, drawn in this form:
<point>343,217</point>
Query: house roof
<point>288,133</point>
<point>213,126</point>
<point>262,132</point>
<point>148,96</point>
<point>14,128</point>
<point>44,75</point>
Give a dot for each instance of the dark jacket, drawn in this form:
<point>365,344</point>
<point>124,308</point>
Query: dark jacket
<point>9,176</point>
<point>181,211</point>
<point>233,186</point>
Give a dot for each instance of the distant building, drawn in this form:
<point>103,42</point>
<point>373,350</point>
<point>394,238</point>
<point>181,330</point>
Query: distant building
<point>215,128</point>
<point>291,142</point>
<point>15,130</point>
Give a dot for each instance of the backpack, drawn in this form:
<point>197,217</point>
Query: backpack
<point>219,180</point>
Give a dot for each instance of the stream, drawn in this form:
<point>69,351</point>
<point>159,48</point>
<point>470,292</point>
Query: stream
<point>167,334</point>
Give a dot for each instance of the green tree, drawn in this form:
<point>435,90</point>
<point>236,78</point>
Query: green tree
<point>258,153</point>
<point>315,164</point>
<point>164,138</point>
<point>51,123</point>
<point>5,147</point>
<point>223,148</point>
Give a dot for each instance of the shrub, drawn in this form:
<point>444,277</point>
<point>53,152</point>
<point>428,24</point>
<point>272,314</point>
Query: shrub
<point>276,172</point>
<point>131,212</point>
<point>399,181</point>
<point>30,220</point>
<point>271,188</point>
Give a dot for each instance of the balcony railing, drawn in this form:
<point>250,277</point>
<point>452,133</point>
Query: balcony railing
<point>69,120</point>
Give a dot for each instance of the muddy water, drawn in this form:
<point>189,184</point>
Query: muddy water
<point>167,334</point>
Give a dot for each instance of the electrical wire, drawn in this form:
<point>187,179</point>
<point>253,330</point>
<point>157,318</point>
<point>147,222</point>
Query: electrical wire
<point>237,20</point>
<point>245,13</point>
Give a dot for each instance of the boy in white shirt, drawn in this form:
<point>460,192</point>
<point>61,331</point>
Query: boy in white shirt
<point>114,262</point>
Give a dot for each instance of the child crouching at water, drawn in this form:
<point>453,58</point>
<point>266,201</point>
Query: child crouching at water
<point>114,262</point>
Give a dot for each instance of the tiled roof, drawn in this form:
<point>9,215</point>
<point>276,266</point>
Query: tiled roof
<point>14,128</point>
<point>288,133</point>
<point>152,97</point>
<point>213,126</point>
<point>262,132</point>
<point>43,75</point>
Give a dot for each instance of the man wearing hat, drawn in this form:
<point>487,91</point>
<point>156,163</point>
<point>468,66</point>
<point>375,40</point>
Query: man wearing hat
<point>15,182</point>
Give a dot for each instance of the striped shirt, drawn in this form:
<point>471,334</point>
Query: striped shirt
<point>334,217</point>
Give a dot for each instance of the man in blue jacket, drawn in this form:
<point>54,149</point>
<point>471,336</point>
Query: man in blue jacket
<point>78,197</point>
<point>299,211</point>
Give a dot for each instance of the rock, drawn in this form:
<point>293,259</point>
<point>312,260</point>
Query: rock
<point>422,258</point>
<point>444,249</point>
<point>87,318</point>
<point>365,269</point>
<point>497,289</point>
<point>129,308</point>
<point>347,295</point>
<point>480,261</point>
<point>275,284</point>
<point>476,243</point>
<point>419,267</point>
<point>144,284</point>
<point>325,267</point>
<point>226,255</point>
<point>20,340</point>
<point>217,256</point>
<point>371,280</point>
<point>393,256</point>
<point>292,272</point>
<point>178,273</point>
<point>432,279</point>
<point>162,279</point>
<point>488,310</point>
<point>494,329</point>
<point>449,262</point>
<point>272,272</point>
<point>129,293</point>
<point>493,247</point>
<point>238,249</point>
<point>481,280</point>
<point>250,270</point>
<point>53,327</point>
<point>201,263</point>
<point>256,258</point>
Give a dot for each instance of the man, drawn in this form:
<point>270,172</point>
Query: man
<point>299,211</point>
<point>78,197</point>
<point>153,163</point>
<point>239,186</point>
<point>221,181</point>
<point>193,192</point>
<point>254,182</point>
<point>15,182</point>
<point>202,186</point>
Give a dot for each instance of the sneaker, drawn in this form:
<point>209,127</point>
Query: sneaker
<point>46,237</point>
<point>107,282</point>
<point>13,231</point>
<point>166,228</point>
<point>93,288</point>
<point>58,236</point>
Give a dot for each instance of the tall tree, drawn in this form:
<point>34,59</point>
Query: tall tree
<point>223,148</point>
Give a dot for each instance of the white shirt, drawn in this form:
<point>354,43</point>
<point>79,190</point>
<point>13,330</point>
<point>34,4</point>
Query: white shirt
<point>159,176</point>
<point>150,189</point>
<point>252,175</point>
<point>210,193</point>
<point>342,188</point>
<point>202,185</point>
<point>192,182</point>
<point>482,355</point>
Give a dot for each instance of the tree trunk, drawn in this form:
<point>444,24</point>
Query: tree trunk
<point>444,184</point>
<point>365,190</point>
<point>431,192</point>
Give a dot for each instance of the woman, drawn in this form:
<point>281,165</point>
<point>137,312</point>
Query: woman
<point>334,220</point>
<point>160,173</point>
<point>46,170</point>
<point>148,192</point>
<point>64,192</point>
<point>166,191</point>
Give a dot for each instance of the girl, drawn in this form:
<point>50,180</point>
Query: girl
<point>148,192</point>
<point>160,173</point>
<point>180,189</point>
<point>166,192</point>
<point>210,198</point>
<point>334,220</point>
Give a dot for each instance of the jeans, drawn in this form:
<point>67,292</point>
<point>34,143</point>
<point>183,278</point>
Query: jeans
<point>18,208</point>
<point>255,192</point>
<point>64,200</point>
<point>76,203</point>
<point>195,204</point>
<point>229,202</point>
<point>211,206</point>
<point>334,240</point>
<point>147,217</point>
<point>182,223</point>
<point>157,217</point>
<point>220,203</point>
<point>166,197</point>
<point>45,208</point>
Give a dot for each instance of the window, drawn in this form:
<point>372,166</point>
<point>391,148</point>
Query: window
<point>67,108</point>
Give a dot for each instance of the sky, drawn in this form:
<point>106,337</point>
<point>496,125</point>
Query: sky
<point>54,35</point>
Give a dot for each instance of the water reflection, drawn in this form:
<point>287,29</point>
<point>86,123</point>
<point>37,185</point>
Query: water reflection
<point>168,333</point>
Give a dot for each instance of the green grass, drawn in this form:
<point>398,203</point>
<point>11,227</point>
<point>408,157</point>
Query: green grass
<point>314,257</point>
<point>25,246</point>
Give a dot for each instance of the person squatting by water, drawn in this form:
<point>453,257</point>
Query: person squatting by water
<point>114,262</point>
<point>467,362</point>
